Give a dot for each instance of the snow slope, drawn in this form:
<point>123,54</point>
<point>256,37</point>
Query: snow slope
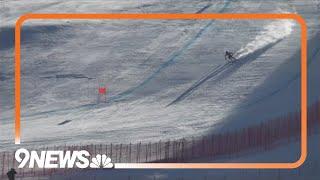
<point>146,65</point>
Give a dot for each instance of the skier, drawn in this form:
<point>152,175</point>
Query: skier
<point>229,56</point>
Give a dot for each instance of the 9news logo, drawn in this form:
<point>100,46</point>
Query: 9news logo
<point>61,159</point>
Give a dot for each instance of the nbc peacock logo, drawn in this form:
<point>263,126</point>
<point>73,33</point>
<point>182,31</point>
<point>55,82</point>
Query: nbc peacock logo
<point>101,161</point>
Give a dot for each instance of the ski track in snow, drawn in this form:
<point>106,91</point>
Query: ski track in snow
<point>271,34</point>
<point>171,60</point>
<point>209,75</point>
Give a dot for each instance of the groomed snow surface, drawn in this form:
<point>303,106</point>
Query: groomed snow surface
<point>148,64</point>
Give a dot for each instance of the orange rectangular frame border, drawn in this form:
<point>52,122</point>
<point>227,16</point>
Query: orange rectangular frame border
<point>295,17</point>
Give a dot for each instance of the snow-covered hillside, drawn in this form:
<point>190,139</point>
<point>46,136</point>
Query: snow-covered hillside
<point>148,64</point>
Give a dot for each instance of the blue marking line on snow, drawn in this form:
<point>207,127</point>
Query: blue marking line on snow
<point>153,75</point>
<point>203,9</point>
<point>171,60</point>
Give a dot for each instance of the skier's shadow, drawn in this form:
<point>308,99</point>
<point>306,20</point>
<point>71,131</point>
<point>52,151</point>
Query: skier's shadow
<point>224,72</point>
<point>242,61</point>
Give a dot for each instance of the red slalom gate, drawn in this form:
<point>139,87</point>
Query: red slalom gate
<point>102,90</point>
